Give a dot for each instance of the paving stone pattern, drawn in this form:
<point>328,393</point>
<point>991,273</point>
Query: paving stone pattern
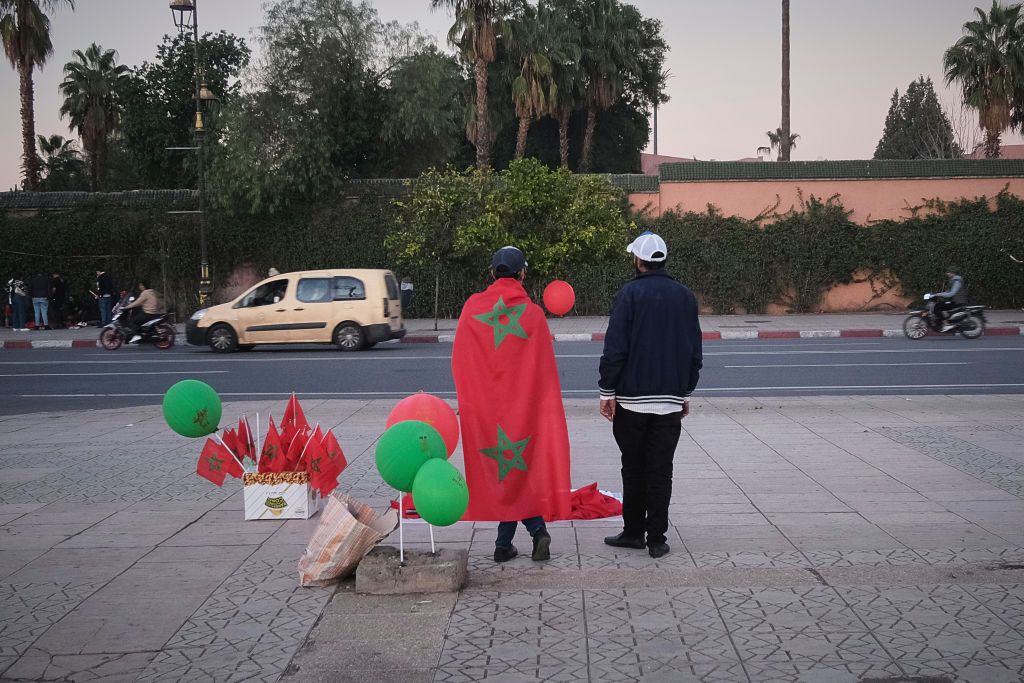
<point>813,538</point>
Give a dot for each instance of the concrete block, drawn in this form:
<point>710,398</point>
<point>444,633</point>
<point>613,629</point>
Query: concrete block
<point>380,573</point>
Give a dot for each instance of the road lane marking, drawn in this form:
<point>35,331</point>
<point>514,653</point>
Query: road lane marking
<point>842,365</point>
<point>119,374</point>
<point>280,358</point>
<point>847,387</point>
<point>355,394</point>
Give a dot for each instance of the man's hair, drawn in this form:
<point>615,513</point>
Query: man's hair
<point>143,284</point>
<point>651,265</point>
<point>498,276</point>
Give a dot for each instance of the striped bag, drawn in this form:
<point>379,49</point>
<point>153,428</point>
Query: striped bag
<point>348,529</point>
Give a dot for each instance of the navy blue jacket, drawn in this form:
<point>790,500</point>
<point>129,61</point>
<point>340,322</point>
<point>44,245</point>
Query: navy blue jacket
<point>652,350</point>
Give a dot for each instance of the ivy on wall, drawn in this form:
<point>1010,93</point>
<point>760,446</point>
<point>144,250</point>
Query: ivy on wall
<point>571,227</point>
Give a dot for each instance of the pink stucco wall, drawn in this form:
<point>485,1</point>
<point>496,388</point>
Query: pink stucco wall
<point>869,200</point>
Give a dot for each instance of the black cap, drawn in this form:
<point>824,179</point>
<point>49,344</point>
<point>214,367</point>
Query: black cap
<point>508,262</point>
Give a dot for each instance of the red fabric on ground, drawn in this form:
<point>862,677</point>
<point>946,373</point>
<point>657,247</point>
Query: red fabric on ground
<point>589,503</point>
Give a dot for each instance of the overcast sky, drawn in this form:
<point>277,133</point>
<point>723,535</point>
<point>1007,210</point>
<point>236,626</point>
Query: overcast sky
<point>725,61</point>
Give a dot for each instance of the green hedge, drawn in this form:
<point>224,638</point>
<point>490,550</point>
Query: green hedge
<point>730,262</point>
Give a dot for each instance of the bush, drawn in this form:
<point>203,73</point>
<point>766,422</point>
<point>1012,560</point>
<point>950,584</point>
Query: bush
<point>570,226</point>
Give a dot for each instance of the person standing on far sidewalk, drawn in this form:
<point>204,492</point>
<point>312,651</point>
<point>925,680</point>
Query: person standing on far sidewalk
<point>40,289</point>
<point>651,363</point>
<point>104,294</point>
<point>17,296</point>
<point>58,299</point>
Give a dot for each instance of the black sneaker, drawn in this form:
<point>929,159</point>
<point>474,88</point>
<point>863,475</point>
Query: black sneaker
<point>505,554</point>
<point>541,546</point>
<point>624,541</point>
<point>657,550</point>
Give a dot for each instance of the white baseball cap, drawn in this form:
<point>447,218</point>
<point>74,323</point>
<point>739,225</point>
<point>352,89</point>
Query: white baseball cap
<point>648,247</point>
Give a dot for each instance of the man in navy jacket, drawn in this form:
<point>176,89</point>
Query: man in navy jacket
<point>650,365</point>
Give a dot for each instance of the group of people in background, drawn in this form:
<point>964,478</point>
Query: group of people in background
<point>42,302</point>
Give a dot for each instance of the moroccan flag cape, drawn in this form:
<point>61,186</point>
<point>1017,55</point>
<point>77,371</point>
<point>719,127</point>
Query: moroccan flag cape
<point>514,438</point>
<point>215,463</point>
<point>272,459</point>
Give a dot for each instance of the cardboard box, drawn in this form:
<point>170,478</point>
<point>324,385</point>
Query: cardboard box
<point>279,495</point>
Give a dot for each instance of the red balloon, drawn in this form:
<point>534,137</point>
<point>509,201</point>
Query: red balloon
<point>559,298</point>
<point>432,410</point>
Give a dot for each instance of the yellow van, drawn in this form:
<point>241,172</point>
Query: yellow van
<point>352,309</point>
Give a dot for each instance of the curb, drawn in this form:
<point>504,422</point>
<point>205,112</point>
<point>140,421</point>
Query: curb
<point>723,335</point>
<point>730,335</point>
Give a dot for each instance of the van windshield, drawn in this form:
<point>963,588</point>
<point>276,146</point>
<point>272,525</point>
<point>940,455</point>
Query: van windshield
<point>266,294</point>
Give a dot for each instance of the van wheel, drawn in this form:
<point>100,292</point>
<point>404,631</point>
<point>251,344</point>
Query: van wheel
<point>348,336</point>
<point>222,339</point>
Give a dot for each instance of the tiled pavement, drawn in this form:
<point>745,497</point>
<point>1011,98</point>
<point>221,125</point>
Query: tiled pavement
<point>814,538</point>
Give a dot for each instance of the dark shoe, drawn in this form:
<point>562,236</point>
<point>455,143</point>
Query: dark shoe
<point>505,554</point>
<point>541,546</point>
<point>657,550</point>
<point>623,541</point>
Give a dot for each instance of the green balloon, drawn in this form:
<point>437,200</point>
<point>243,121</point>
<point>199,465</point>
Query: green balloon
<point>403,449</point>
<point>192,408</point>
<point>440,493</point>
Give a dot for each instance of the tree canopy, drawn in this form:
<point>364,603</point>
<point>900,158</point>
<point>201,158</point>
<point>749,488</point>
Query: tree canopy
<point>916,127</point>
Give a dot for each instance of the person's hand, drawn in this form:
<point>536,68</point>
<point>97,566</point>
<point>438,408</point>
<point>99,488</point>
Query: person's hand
<point>608,409</point>
<point>686,409</point>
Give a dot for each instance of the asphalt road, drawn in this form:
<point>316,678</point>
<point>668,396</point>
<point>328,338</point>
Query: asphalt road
<point>76,379</point>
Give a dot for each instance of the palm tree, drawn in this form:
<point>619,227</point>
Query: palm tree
<point>608,50</point>
<point>25,31</point>
<point>60,162</point>
<point>475,30</point>
<point>538,40</point>
<point>786,138</point>
<point>91,84</point>
<point>988,63</point>
<point>779,140</point>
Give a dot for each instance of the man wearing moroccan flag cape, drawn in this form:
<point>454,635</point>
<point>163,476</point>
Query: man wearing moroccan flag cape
<point>514,437</point>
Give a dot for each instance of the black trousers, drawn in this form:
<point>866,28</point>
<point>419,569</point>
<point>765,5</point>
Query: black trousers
<point>648,444</point>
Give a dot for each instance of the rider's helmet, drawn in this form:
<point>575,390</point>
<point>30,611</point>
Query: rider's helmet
<point>953,269</point>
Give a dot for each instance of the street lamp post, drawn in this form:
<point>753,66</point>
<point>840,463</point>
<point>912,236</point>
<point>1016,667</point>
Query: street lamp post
<point>186,19</point>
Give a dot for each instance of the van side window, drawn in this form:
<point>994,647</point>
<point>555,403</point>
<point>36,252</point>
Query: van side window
<point>314,290</point>
<point>348,289</point>
<point>265,295</point>
<point>392,286</point>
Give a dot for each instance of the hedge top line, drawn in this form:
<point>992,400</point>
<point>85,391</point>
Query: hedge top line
<point>695,171</point>
<point>841,170</point>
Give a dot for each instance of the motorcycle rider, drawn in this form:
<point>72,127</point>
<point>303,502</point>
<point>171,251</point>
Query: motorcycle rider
<point>954,297</point>
<point>145,308</point>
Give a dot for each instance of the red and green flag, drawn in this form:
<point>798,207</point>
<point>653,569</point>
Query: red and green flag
<point>514,437</point>
<point>216,463</point>
<point>246,445</point>
<point>272,457</point>
<point>325,461</point>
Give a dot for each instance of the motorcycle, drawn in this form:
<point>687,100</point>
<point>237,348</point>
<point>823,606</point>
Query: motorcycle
<point>968,321</point>
<point>159,330</point>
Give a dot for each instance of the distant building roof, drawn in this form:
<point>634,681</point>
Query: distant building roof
<point>649,163</point>
<point>1005,152</point>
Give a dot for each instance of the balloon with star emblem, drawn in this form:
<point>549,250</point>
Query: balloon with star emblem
<point>404,448</point>
<point>432,410</point>
<point>192,408</point>
<point>440,493</point>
